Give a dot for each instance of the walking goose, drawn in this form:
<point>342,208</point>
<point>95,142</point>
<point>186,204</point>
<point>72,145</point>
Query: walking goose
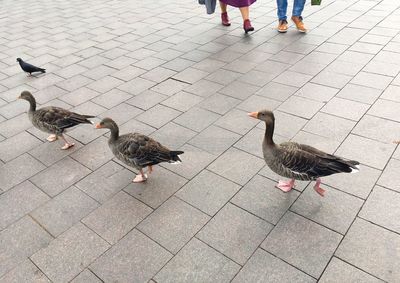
<point>53,120</point>
<point>137,150</point>
<point>299,161</point>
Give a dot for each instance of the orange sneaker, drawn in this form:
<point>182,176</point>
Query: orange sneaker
<point>283,26</point>
<point>298,21</point>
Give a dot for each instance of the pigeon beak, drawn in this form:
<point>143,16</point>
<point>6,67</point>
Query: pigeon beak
<point>98,126</point>
<point>253,114</point>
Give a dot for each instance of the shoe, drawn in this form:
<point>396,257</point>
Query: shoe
<point>283,26</point>
<point>298,21</point>
<point>247,26</point>
<point>225,19</point>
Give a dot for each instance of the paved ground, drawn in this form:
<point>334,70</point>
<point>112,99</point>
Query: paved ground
<point>168,70</point>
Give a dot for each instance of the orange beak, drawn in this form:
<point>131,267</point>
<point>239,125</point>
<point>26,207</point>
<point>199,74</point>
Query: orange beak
<point>253,114</point>
<point>98,126</point>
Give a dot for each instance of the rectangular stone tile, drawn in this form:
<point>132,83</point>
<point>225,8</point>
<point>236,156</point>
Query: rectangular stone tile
<point>173,224</point>
<point>18,170</point>
<point>201,193</point>
<point>13,126</point>
<point>26,271</point>
<point>382,209</point>
<point>247,142</point>
<point>237,165</point>
<point>345,68</point>
<point>182,101</point>
<point>382,68</point>
<point>19,201</point>
<point>239,90</point>
<point>121,113</point>
<point>111,98</point>
<point>331,79</point>
<point>222,140</point>
<point>134,258</point>
<point>355,147</point>
<point>179,137</point>
<point>380,259</point>
<point>190,75</point>
<point>235,232</point>
<point>128,73</point>
<point>50,153</point>
<point>158,188</point>
<point>146,99</point>
<point>197,119</point>
<point>105,84</point>
<point>74,83</point>
<point>359,93</point>
<point>17,145</point>
<point>293,79</point>
<point>264,267</point>
<point>197,262</point>
<point>322,143</point>
<point>336,210</point>
<point>317,92</point>
<point>255,102</point>
<point>390,177</point>
<point>116,217</point>
<point>70,253</point>
<point>346,108</point>
<point>19,241</point>
<point>135,126</point>
<point>219,103</point>
<point>223,77</point>
<point>158,116</point>
<point>371,80</point>
<point>302,107</point>
<point>86,277</point>
<point>13,109</point>
<point>105,181</point>
<point>386,109</point>
<point>262,198</point>
<point>340,271</point>
<point>236,121</point>
<point>136,86</point>
<point>306,245</point>
<point>391,93</point>
<point>286,125</point>
<point>308,68</point>
<point>376,128</point>
<point>94,154</point>
<point>63,211</point>
<point>169,87</point>
<point>203,88</point>
<point>60,176</point>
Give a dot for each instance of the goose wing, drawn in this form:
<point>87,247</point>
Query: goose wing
<point>142,150</point>
<point>60,118</point>
<point>306,160</point>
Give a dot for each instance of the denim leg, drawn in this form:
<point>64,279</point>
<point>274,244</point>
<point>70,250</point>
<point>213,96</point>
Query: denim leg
<point>298,7</point>
<point>282,9</point>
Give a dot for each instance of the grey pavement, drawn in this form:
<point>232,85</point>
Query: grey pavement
<point>170,71</point>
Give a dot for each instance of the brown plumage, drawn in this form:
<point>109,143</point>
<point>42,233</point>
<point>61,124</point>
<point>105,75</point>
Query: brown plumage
<point>299,161</point>
<point>137,150</point>
<point>53,120</point>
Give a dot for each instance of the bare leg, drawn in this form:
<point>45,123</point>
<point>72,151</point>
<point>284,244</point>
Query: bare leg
<point>67,144</point>
<point>319,190</point>
<point>398,142</point>
<point>140,177</point>
<point>52,138</point>
<point>150,169</point>
<point>286,186</point>
<point>223,7</point>
<point>245,12</point>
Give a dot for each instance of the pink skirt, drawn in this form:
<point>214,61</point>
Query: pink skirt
<point>238,3</point>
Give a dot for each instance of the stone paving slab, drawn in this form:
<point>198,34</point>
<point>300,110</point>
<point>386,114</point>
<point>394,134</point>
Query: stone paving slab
<point>168,70</point>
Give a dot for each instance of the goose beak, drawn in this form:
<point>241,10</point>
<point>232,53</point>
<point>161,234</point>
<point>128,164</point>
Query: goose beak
<point>98,126</point>
<point>253,114</point>
<point>19,97</point>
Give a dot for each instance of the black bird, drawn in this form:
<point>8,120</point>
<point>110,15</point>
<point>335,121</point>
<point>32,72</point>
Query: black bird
<point>29,68</point>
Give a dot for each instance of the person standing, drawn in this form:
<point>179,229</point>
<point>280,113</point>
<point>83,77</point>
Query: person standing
<point>243,6</point>
<point>298,7</point>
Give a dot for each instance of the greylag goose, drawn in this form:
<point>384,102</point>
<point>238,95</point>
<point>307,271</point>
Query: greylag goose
<point>137,150</point>
<point>28,68</point>
<point>299,161</point>
<point>53,120</point>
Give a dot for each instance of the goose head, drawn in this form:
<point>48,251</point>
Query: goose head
<point>108,123</point>
<point>26,95</point>
<point>263,115</point>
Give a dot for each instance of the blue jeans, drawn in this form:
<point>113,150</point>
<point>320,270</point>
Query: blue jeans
<point>298,7</point>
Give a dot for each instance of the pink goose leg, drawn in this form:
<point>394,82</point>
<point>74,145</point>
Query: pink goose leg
<point>286,186</point>
<point>319,190</point>
<point>140,177</point>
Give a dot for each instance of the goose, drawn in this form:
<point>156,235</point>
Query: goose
<point>53,120</point>
<point>137,150</point>
<point>299,161</point>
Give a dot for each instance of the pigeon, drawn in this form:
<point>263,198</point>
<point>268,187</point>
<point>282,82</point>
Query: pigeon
<point>28,68</point>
